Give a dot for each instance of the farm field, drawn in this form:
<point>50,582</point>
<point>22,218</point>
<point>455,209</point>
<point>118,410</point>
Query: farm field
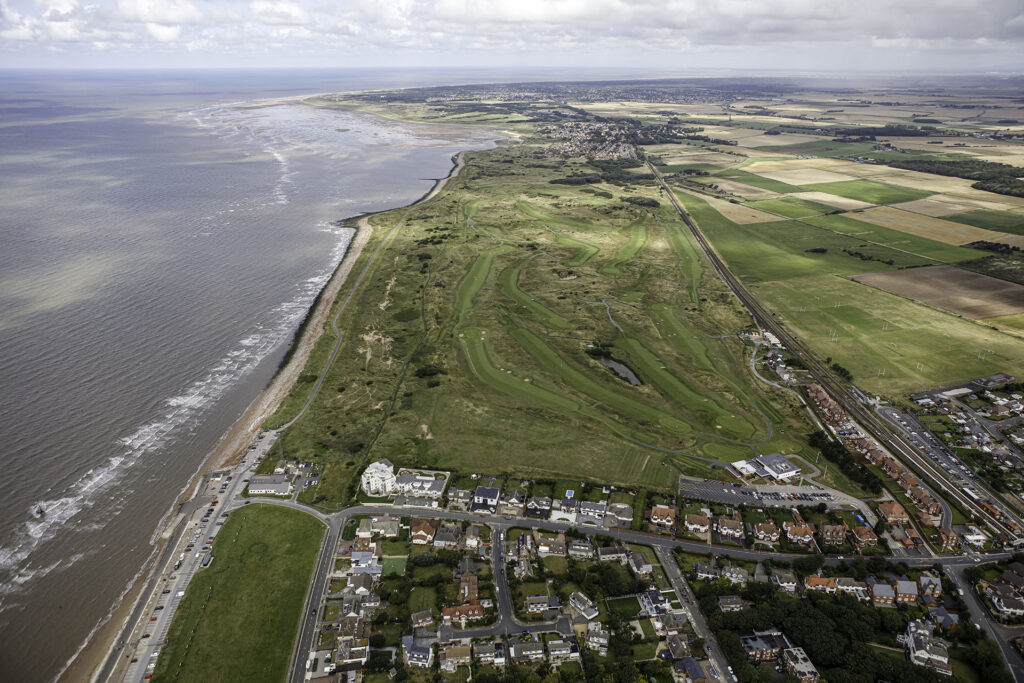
<point>938,229</point>
<point>952,289</point>
<point>869,191</point>
<point>263,551</point>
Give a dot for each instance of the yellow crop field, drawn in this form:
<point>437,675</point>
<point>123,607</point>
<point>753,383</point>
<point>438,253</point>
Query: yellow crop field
<point>934,228</point>
<point>740,213</point>
<point>831,200</point>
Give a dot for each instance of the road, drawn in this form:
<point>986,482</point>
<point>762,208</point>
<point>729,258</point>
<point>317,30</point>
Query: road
<point>1003,635</point>
<point>841,393</point>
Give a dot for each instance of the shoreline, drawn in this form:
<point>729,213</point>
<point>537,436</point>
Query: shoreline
<point>98,652</point>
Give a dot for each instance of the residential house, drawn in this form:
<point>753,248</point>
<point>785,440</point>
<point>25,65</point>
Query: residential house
<point>730,528</point>
<point>893,513</point>
<point>947,539</point>
<point>814,582</point>
<point>421,531</point>
<point>386,526</point>
<point>592,514</point>
<point>419,485</point>
<point>799,666</point>
<point>463,613</point>
<point>360,584</point>
<point>929,585</point>
<point>639,563</point>
<point>784,579</point>
<point>799,533</point>
<point>538,604</point>
<point>448,536</point>
<point>352,651</point>
<point>857,589</point>
<point>653,603</point>
<point>833,534</point>
<point>581,549</point>
<point>454,656</point>
<point>730,603</point>
<point>1005,600</point>
<point>561,651</point>
<point>706,571</point>
<point>926,650</point>
<point>882,594</point>
<point>736,575</point>
<point>421,619</point>
<point>583,605</point>
<point>613,553</point>
<point>697,524</point>
<point>906,591</point>
<point>378,479</point>
<point>460,499</point>
<point>565,510</point>
<point>670,623</point>
<point>597,638</point>
<point>619,515</point>
<point>485,499</point>
<point>678,647</point>
<point>548,546</point>
<point>765,646</point>
<point>696,671</point>
<point>943,619</point>
<point>528,651</point>
<point>663,519</point>
<point>469,587</point>
<point>538,507</point>
<point>490,653</point>
<point>512,505</point>
<point>766,532</point>
<point>421,656</point>
<point>365,528</point>
<point>864,537</point>
<point>472,539</point>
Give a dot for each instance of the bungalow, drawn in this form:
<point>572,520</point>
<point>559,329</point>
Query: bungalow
<point>592,513</point>
<point>365,528</point>
<point>730,528</point>
<point>619,515</point>
<point>581,549</point>
<point>613,553</point>
<point>638,563</point>
<point>784,579</point>
<point>857,589</point>
<point>421,619</point>
<point>766,532</point>
<point>421,531</point>
<point>538,507</point>
<point>360,584</point>
<point>462,613</point>
<point>864,537</point>
<point>565,510</point>
<point>906,591</point>
<point>663,518</point>
<point>386,526</point>
<point>815,582</point>
<point>485,500</point>
<point>893,513</point>
<point>697,524</point>
<point>469,587</point>
<point>764,646</point>
<point>833,534</point>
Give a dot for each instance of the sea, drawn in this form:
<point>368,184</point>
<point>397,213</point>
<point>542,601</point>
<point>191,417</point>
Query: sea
<point>161,239</point>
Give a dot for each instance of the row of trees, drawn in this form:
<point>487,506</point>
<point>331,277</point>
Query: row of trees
<point>837,453</point>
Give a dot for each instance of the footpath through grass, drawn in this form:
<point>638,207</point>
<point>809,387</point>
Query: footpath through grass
<point>239,617</point>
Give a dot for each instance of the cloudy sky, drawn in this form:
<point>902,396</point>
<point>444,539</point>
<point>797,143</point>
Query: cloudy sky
<point>936,35</point>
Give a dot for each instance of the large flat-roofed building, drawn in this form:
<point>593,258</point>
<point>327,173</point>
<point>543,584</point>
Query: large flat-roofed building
<point>271,484</point>
<point>773,466</point>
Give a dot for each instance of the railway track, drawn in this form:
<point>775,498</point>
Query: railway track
<point>923,467</point>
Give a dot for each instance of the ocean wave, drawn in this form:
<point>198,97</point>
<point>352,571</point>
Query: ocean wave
<point>182,411</point>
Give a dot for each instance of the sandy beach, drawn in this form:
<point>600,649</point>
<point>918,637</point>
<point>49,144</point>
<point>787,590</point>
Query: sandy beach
<point>88,664</point>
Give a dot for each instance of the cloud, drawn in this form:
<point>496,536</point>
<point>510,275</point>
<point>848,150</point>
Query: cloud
<point>665,33</point>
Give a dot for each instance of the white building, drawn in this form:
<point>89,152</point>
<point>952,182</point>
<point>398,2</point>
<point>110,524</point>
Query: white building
<point>379,478</point>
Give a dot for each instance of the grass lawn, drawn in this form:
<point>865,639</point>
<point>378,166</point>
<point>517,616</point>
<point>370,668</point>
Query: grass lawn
<point>393,547</point>
<point>961,669</point>
<point>645,651</point>
<point>421,598</point>
<point>394,566</point>
<point>261,551</point>
<point>556,565</point>
<point>626,608</point>
<point>421,573</point>
<point>648,628</point>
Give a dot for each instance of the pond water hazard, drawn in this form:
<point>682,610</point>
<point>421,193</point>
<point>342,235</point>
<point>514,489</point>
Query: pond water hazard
<point>621,370</point>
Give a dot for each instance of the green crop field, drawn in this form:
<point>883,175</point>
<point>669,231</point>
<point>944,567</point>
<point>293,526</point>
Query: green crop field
<point>754,180</point>
<point>263,562</point>
<point>903,241</point>
<point>791,207</point>
<point>989,219</point>
<point>870,191</point>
